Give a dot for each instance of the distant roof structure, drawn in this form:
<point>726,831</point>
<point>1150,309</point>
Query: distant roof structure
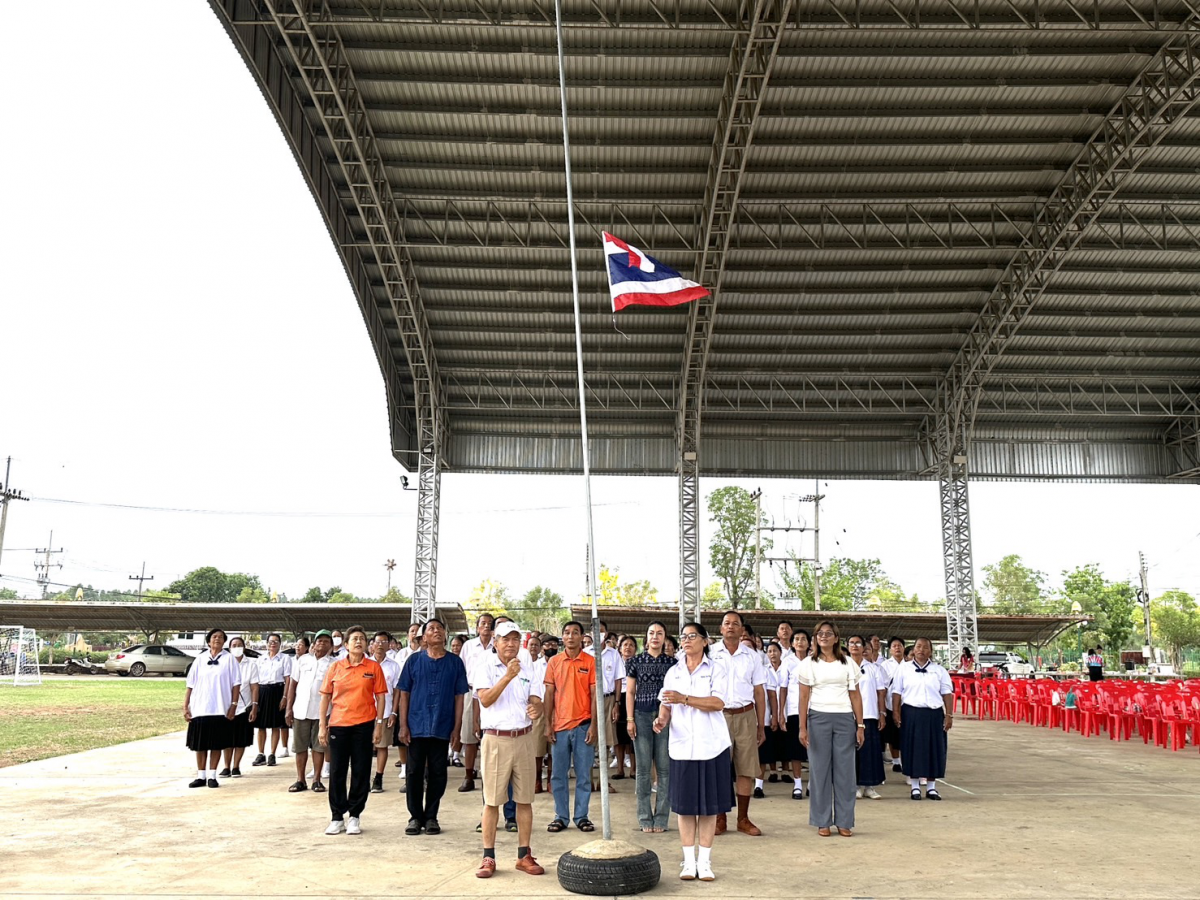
<point>914,203</point>
<point>150,618</point>
<point>910,626</point>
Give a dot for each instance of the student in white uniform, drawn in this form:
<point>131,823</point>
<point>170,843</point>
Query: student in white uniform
<point>247,711</point>
<point>469,737</point>
<point>870,755</point>
<point>612,667</point>
<point>693,699</point>
<point>745,713</point>
<point>274,670</point>
<point>891,732</point>
<point>339,648</point>
<point>773,751</point>
<point>797,753</point>
<point>391,674</point>
<point>209,706</point>
<point>923,707</point>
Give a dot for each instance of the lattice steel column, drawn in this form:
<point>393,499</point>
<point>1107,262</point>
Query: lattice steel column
<point>962,629</point>
<point>429,495</point>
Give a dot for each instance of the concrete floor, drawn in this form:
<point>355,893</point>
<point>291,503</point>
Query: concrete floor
<point>1028,813</point>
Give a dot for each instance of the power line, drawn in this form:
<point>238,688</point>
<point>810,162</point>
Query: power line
<point>141,579</point>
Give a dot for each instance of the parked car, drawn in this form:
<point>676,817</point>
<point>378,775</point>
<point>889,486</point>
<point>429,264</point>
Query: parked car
<point>1005,661</point>
<point>141,659</point>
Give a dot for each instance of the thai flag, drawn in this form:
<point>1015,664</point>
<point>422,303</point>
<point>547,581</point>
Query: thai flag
<point>636,279</point>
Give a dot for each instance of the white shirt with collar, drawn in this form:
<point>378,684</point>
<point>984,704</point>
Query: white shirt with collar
<point>274,669</point>
<point>791,664</point>
<point>868,687</point>
<point>612,664</point>
<point>887,666</point>
<point>212,682</point>
<point>696,734</point>
<point>391,675</point>
<point>745,673</point>
<point>309,675</point>
<point>249,675</point>
<point>772,685</point>
<point>508,713</point>
<point>472,651</point>
<point>921,686</point>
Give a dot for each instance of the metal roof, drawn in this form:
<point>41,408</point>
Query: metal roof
<point>57,616</point>
<point>902,153</point>
<point>993,629</point>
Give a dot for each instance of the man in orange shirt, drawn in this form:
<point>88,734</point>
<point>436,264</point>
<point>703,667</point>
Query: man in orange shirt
<point>570,705</point>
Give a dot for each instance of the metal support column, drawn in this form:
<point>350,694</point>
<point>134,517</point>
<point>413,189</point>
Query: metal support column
<point>962,629</point>
<point>429,499</point>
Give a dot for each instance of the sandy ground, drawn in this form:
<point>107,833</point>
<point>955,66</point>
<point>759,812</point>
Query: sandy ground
<point>1028,813</point>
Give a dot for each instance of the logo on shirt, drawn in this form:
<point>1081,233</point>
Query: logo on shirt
<point>368,674</point>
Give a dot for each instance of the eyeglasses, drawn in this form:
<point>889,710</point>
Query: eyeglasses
<point>856,643</point>
<point>826,634</point>
<point>689,637</point>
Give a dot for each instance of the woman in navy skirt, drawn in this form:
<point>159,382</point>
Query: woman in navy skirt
<point>923,707</point>
<point>209,706</point>
<point>869,764</point>
<point>692,703</point>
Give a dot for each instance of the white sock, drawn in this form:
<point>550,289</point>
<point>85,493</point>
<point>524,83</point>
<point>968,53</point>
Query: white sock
<point>705,856</point>
<point>758,783</point>
<point>913,783</point>
<point>200,773</point>
<point>211,773</point>
<point>689,855</point>
<point>404,771</point>
<point>931,785</point>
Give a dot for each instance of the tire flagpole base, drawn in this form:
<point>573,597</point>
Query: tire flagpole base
<point>612,868</point>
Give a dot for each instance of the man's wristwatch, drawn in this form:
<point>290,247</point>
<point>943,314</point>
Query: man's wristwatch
<point>379,721</point>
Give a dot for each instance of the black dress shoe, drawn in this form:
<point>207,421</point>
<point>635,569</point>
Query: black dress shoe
<point>212,782</point>
<point>235,772</point>
<point>259,760</point>
<point>932,795</point>
<point>896,767</point>
<point>224,773</point>
<point>197,782</point>
<point>758,793</point>
<point>414,827</point>
<point>432,827</point>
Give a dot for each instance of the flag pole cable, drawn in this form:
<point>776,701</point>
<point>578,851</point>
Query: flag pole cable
<point>598,722</point>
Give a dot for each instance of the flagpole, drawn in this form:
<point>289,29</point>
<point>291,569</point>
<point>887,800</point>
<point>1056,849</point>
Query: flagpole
<point>598,722</point>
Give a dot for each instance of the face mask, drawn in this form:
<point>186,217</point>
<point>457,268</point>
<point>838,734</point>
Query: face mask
<point>337,642</point>
<point>549,652</point>
<point>237,652</point>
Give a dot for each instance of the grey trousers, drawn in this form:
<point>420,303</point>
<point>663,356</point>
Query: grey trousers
<point>649,747</point>
<point>831,761</point>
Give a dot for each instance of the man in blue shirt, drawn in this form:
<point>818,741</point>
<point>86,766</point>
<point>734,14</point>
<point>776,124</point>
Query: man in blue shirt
<point>438,681</point>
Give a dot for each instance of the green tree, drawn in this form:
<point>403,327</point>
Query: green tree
<point>314,595</point>
<point>394,595</point>
<point>1111,603</point>
<point>489,597</point>
<point>1175,621</point>
<point>210,585</point>
<point>8,594</point>
<point>731,553</point>
<point>714,596</point>
<point>250,594</point>
<point>331,593</point>
<point>344,597</point>
<point>614,592</point>
<point>541,610</point>
<point>1014,588</point>
<point>845,583</point>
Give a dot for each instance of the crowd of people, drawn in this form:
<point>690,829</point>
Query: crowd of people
<point>699,722</point>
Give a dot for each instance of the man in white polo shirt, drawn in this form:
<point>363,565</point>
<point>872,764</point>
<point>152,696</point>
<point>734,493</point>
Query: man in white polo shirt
<point>612,667</point>
<point>510,701</point>
<point>472,651</point>
<point>303,704</point>
<point>745,713</point>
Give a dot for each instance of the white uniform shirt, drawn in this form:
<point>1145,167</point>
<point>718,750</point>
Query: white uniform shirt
<point>309,675</point>
<point>868,687</point>
<point>472,652</point>
<point>338,653</point>
<point>249,675</point>
<point>274,669</point>
<point>772,685</point>
<point>888,667</point>
<point>830,683</point>
<point>508,712</point>
<point>696,734</point>
<point>921,687</point>
<point>212,683</point>
<point>613,666</point>
<point>391,675</point>
<point>744,671</point>
<point>791,663</point>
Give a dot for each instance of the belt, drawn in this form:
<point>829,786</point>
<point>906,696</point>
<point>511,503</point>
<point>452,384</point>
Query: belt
<point>613,694</point>
<point>739,710</point>
<point>510,734</point>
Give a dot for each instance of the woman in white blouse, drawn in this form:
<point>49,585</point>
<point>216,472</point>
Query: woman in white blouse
<point>273,672</point>
<point>692,702</point>
<point>831,727</point>
<point>247,710</point>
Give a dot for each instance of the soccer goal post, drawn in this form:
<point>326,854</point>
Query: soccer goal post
<point>19,656</point>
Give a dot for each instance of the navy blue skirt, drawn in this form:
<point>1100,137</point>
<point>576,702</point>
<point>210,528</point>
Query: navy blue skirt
<point>923,742</point>
<point>869,762</point>
<point>702,787</point>
<point>209,733</point>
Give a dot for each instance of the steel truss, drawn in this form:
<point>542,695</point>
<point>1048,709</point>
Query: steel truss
<point>1159,97</point>
<point>1183,442</point>
<point>751,59</point>
<point>321,63</point>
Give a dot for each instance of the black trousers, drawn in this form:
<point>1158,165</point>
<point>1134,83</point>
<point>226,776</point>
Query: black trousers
<point>350,747</point>
<point>426,776</point>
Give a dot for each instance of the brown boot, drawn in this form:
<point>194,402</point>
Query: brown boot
<point>744,825</point>
<point>468,782</point>
<point>722,825</point>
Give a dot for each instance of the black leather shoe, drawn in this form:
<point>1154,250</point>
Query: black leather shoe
<point>212,782</point>
<point>758,793</point>
<point>224,773</point>
<point>197,782</point>
<point>414,827</point>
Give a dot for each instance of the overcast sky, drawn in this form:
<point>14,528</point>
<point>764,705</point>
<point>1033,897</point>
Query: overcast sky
<point>187,380</point>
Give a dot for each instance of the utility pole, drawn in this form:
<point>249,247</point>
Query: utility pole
<point>389,565</point>
<point>1144,598</point>
<point>757,498</point>
<point>6,494</point>
<point>43,568</point>
<point>817,497</point>
<point>140,579</point>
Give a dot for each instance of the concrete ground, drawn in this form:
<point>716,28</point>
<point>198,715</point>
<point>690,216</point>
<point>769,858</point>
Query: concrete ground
<point>1027,813</point>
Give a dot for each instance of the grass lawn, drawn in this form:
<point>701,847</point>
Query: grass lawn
<point>58,717</point>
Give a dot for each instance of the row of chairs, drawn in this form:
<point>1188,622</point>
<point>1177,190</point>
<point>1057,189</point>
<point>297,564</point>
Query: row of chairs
<point>1167,714</point>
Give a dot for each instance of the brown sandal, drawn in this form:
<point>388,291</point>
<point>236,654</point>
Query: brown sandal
<point>845,832</point>
<point>824,832</point>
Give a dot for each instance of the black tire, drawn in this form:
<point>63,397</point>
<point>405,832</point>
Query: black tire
<point>123,674</point>
<point>613,877</point>
<point>74,670</point>
<point>137,670</point>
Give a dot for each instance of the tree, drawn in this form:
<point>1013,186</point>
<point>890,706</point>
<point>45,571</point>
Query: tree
<point>714,597</point>
<point>314,595</point>
<point>541,610</point>
<point>210,585</point>
<point>252,595</point>
<point>344,597</point>
<point>845,583</point>
<point>489,597</point>
<point>731,553</point>
<point>8,594</point>
<point>612,591</point>
<point>1176,624</point>
<point>394,595</point>
<point>331,593</point>
<point>1112,603</point>
<point>1015,589</point>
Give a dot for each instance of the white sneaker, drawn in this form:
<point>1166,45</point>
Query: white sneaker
<point>353,826</point>
<point>283,754</point>
<point>337,826</point>
<point>613,764</point>
<point>687,871</point>
<point>858,794</point>
<point>873,794</point>
<point>704,871</point>
<point>325,770</point>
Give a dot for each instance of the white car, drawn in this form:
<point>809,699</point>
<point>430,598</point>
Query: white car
<point>1012,663</point>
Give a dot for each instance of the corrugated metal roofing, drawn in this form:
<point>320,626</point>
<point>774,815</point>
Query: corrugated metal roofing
<point>900,157</point>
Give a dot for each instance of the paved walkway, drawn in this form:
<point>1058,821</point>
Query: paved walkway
<point>1028,813</point>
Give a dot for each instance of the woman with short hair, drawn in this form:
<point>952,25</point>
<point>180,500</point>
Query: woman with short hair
<point>831,727</point>
<point>923,710</point>
<point>869,759</point>
<point>274,669</point>
<point>623,749</point>
<point>209,706</point>
<point>797,753</point>
<point>692,704</point>
<point>247,710</point>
